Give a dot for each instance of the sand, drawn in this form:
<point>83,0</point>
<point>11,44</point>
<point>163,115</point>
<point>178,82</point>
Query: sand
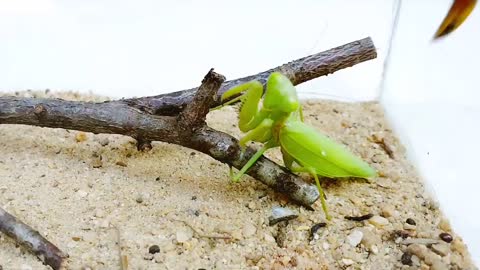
<point>99,199</point>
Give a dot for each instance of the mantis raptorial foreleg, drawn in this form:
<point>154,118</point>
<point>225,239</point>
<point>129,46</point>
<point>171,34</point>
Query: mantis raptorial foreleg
<point>251,115</point>
<point>262,133</point>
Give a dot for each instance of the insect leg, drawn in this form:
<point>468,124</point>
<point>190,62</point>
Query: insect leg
<point>252,160</point>
<point>319,187</point>
<point>322,196</point>
<point>251,114</point>
<point>262,133</point>
<point>227,103</point>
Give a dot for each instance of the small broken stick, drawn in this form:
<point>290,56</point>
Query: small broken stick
<point>381,142</point>
<point>23,234</point>
<point>359,218</point>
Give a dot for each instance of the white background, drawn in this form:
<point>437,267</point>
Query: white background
<point>137,48</point>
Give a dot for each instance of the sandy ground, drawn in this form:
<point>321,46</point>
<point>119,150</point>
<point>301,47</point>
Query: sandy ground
<point>99,199</point>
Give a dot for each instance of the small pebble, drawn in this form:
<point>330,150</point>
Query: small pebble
<point>237,235</point>
<point>148,256</point>
<point>446,237</point>
<point>281,214</point>
<point>269,238</point>
<point>347,262</point>
<point>431,257</point>
<point>105,224</point>
<point>374,249</point>
<point>438,265</point>
<point>183,236</point>
<point>354,238</point>
<point>139,198</point>
<point>444,225</point>
<point>406,258</point>
<point>316,227</point>
<point>158,258</point>
<point>224,228</point>
<point>249,230</point>
<point>402,234</point>
<point>457,245</point>
<point>418,250</point>
<point>76,238</point>
<point>441,249</point>
<point>82,193</point>
<point>420,241</point>
<point>194,197</point>
<point>153,249</point>
<point>416,260</point>
<point>302,228</point>
<point>370,239</point>
<point>81,137</point>
<point>411,221</point>
<point>251,205</point>
<point>387,211</point>
<point>103,141</point>
<point>99,213</point>
<point>97,163</point>
<point>121,163</point>
<point>410,227</point>
<point>378,221</point>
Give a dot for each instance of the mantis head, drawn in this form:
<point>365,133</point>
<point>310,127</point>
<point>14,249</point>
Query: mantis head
<point>280,94</point>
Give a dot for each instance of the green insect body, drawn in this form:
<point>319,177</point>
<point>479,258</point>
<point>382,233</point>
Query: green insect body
<point>278,122</point>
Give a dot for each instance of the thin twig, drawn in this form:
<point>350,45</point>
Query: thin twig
<point>23,234</point>
<point>200,235</point>
<point>298,71</point>
<point>122,258</point>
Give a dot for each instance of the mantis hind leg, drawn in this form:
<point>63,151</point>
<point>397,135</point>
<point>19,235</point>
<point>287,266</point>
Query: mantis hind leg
<point>322,197</point>
<point>319,187</point>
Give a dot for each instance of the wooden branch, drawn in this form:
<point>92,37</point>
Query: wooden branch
<point>31,239</point>
<point>298,71</point>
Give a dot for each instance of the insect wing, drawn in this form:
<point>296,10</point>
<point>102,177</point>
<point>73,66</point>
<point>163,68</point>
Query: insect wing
<point>315,150</point>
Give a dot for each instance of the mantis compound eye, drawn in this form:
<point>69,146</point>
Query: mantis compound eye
<point>280,94</point>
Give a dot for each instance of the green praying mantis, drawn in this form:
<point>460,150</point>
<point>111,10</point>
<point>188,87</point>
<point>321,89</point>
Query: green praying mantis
<point>277,121</point>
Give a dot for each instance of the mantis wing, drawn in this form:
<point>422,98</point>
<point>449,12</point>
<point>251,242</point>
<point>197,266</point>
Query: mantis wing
<point>314,150</point>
